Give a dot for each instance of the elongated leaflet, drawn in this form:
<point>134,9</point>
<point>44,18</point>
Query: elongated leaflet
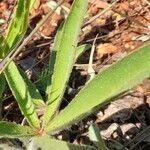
<point>114,80</point>
<point>65,57</point>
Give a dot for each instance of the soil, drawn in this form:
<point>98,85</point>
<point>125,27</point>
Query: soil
<point>121,29</point>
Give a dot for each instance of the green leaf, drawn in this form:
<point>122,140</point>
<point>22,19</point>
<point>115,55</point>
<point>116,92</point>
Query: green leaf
<point>81,49</point>
<point>65,57</point>
<point>2,84</point>
<point>11,129</point>
<point>94,135</point>
<point>47,80</point>
<point>2,89</point>
<point>44,81</point>
<point>112,81</point>
<point>36,96</point>
<point>46,143</point>
<point>17,27</point>
<point>22,93</point>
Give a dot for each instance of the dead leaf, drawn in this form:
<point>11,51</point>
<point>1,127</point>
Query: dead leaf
<point>106,48</point>
<point>36,4</point>
<point>3,6</point>
<point>50,25</point>
<point>144,87</point>
<point>95,6</point>
<point>124,5</point>
<point>98,3</point>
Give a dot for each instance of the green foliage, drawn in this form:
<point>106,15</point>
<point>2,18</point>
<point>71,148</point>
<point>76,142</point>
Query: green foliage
<point>81,49</point>
<point>36,96</point>
<point>10,129</point>
<point>112,81</point>
<point>46,143</point>
<point>94,135</point>
<point>64,49</point>
<point>22,94</point>
<point>17,27</point>
<point>44,78</point>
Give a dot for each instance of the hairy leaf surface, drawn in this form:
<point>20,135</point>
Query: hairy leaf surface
<point>47,143</point>
<point>65,56</point>
<point>45,78</point>
<point>95,137</point>
<point>112,81</point>
<point>36,96</point>
<point>11,129</point>
<point>22,94</point>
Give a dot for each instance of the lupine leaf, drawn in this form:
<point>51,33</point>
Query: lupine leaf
<point>17,27</point>
<point>11,129</point>
<point>95,137</point>
<point>36,96</point>
<point>81,49</point>
<point>2,84</point>
<point>112,81</point>
<point>46,143</point>
<point>2,89</point>
<point>22,94</point>
<point>65,57</point>
<point>45,77</point>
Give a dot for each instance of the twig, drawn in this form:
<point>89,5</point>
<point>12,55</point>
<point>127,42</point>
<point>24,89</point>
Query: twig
<point>129,19</point>
<point>137,136</point>
<point>91,71</point>
<point>100,14</point>
<point>139,141</point>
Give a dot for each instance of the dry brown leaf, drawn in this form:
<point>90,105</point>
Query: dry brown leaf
<point>3,6</point>
<point>124,5</point>
<point>99,3</point>
<point>106,48</point>
<point>36,4</point>
<point>145,87</point>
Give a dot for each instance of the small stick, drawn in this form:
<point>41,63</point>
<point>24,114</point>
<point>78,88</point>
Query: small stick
<point>147,129</point>
<point>100,14</point>
<point>91,71</point>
